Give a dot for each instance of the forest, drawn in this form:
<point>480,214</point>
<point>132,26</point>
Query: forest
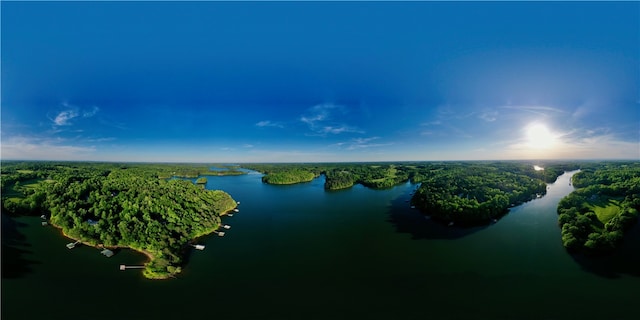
<point>459,192</point>
<point>118,206</point>
<point>605,205</point>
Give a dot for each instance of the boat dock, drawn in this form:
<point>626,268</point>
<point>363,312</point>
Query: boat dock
<point>198,246</point>
<point>125,267</point>
<point>72,245</point>
<point>108,253</point>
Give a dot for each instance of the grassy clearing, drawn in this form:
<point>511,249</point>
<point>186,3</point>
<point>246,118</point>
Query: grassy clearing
<point>391,174</point>
<point>14,194</point>
<point>605,207</point>
<point>25,171</point>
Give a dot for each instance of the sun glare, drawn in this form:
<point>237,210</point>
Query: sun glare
<point>539,137</point>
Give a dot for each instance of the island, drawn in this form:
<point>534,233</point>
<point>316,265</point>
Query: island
<point>595,217</point>
<point>113,206</point>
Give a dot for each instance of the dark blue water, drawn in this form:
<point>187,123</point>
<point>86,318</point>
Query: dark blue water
<point>299,252</point>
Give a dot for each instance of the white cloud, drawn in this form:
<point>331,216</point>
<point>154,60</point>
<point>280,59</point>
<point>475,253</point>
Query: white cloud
<point>63,118</point>
<point>321,121</point>
<point>30,148</point>
<point>91,113</point>
<point>267,123</point>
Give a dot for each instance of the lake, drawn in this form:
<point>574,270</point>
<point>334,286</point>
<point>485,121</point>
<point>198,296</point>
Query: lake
<point>300,252</point>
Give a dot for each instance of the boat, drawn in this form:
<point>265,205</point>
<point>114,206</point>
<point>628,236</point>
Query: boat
<point>199,247</point>
<point>236,210</point>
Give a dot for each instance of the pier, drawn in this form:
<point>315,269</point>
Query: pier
<point>125,267</point>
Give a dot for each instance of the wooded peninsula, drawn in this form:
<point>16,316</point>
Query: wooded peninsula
<point>111,205</point>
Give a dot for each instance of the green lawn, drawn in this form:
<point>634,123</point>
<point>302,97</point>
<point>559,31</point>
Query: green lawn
<point>605,207</point>
<point>25,171</point>
<point>16,195</point>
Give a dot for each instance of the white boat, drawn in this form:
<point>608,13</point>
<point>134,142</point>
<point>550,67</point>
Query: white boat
<point>199,247</point>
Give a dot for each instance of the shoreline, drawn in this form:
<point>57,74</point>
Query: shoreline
<point>148,254</point>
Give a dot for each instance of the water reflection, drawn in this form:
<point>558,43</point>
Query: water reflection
<point>14,244</point>
<point>624,261</point>
<point>419,226</point>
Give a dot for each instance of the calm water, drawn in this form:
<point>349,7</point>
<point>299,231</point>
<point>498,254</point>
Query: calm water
<point>298,252</point>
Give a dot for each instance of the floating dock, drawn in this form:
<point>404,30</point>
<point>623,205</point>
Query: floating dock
<point>72,245</point>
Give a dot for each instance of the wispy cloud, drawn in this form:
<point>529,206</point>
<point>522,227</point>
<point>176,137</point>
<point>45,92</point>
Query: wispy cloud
<point>248,146</point>
<point>360,143</point>
<point>90,113</point>
<point>488,116</point>
<point>267,123</point>
<point>321,120</point>
<point>545,111</point>
<point>64,117</point>
<point>34,148</point>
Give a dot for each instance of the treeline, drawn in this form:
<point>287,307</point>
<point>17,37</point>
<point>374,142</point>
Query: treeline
<point>585,214</point>
<point>386,175</point>
<point>475,193</point>
<point>288,177</point>
<point>127,207</point>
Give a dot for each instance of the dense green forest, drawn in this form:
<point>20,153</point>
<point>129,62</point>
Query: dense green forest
<point>471,193</point>
<point>594,217</point>
<point>117,206</point>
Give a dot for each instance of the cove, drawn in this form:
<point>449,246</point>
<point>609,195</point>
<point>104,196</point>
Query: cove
<point>299,252</point>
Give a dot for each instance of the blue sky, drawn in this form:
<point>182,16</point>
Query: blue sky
<point>321,81</point>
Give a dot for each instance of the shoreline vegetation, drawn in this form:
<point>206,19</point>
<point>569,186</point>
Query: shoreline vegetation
<point>139,206</point>
<point>462,193</point>
<point>122,206</point>
<point>604,206</point>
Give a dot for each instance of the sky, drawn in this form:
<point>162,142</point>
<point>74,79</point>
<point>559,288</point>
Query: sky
<point>319,81</point>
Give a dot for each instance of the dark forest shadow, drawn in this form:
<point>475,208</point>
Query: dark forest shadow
<point>420,226</point>
<point>625,260</point>
<point>14,263</point>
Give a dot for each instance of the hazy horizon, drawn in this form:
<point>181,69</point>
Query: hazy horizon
<point>289,82</point>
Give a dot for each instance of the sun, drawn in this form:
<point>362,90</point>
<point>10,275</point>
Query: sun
<point>539,136</point>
